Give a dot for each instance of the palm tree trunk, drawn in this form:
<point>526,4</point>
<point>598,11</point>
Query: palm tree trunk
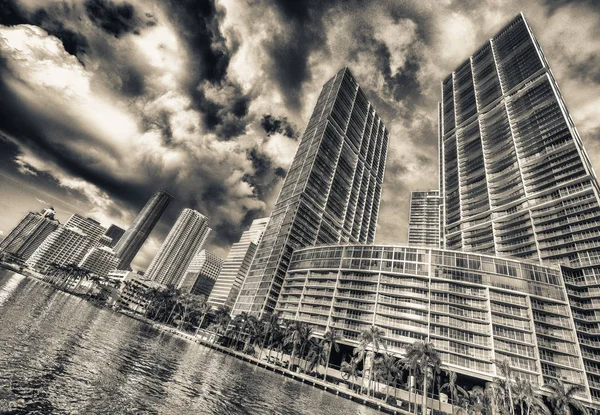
<point>172,311</point>
<point>200,325</point>
<point>425,390</point>
<point>327,364</point>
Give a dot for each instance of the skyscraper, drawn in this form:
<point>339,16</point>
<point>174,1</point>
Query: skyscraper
<point>66,245</point>
<point>331,193</point>
<point>516,180</point>
<point>29,234</point>
<point>89,226</point>
<point>424,219</point>
<point>114,233</point>
<point>133,239</point>
<point>185,239</point>
<point>236,265</point>
<point>202,273</point>
<point>100,261</point>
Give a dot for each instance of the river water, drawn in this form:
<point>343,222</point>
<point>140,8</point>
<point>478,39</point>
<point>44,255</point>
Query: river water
<point>60,354</point>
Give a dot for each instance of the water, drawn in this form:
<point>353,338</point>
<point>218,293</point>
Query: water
<point>60,354</point>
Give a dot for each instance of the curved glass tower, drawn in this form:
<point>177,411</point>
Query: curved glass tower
<point>133,239</point>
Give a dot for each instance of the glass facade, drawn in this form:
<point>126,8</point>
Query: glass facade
<point>516,180</point>
<point>475,309</point>
<point>331,193</point>
<point>133,239</point>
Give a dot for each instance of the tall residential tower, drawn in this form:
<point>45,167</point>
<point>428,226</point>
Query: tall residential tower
<point>236,265</point>
<point>185,239</point>
<point>133,239</point>
<point>516,180</point>
<point>29,234</point>
<point>331,193</point>
<point>424,219</point>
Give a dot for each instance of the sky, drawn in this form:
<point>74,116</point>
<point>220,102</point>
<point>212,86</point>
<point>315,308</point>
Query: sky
<point>104,102</point>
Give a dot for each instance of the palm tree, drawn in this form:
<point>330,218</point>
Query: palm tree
<point>371,339</point>
<point>317,354</point>
<point>428,359</point>
<point>505,384</point>
<point>349,370</point>
<point>412,364</point>
<point>306,334</point>
<point>294,336</point>
<point>222,318</point>
<point>453,389</point>
<point>271,326</point>
<point>476,402</point>
<point>202,310</point>
<point>330,340</point>
<point>562,398</point>
<point>526,395</point>
<point>387,369</point>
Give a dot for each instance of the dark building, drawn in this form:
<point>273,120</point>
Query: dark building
<point>133,239</point>
<point>114,233</point>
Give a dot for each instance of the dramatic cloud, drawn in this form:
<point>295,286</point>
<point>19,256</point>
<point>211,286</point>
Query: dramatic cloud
<point>103,102</point>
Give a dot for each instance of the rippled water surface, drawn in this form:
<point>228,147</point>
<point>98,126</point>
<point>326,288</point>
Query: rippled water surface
<point>60,354</point>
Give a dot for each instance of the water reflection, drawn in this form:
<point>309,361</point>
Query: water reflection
<point>62,355</point>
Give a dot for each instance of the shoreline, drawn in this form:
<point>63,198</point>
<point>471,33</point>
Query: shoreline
<point>343,392</point>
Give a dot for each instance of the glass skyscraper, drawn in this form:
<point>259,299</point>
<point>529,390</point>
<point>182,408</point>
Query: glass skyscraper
<point>424,219</point>
<point>183,242</point>
<point>133,239</point>
<point>236,265</point>
<point>29,234</point>
<point>331,193</point>
<point>516,180</point>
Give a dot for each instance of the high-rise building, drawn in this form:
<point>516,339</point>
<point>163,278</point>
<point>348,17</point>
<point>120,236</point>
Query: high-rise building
<point>133,239</point>
<point>89,226</point>
<point>66,245</point>
<point>477,310</point>
<point>201,274</point>
<point>516,179</point>
<point>100,261</point>
<point>114,233</point>
<point>424,219</point>
<point>236,265</point>
<point>185,239</point>
<point>331,193</point>
<point>29,234</point>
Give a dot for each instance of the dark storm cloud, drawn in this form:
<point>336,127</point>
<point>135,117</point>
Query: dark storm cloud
<point>266,175</point>
<point>74,43</point>
<point>114,18</point>
<point>281,125</point>
<point>303,33</point>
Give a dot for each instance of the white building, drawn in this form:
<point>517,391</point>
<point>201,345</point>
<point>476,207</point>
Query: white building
<point>66,245</point>
<point>89,226</point>
<point>185,239</point>
<point>236,265</point>
<point>100,261</point>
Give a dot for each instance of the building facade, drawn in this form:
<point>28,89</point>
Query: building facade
<point>29,234</point>
<point>89,226</point>
<point>115,234</point>
<point>424,219</point>
<point>236,265</point>
<point>331,193</point>
<point>516,179</point>
<point>185,239</point>
<point>201,274</point>
<point>475,309</point>
<point>66,245</point>
<point>100,261</point>
<point>133,239</point>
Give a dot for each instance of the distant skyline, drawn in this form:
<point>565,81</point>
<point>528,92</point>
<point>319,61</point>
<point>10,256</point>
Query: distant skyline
<point>103,103</point>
